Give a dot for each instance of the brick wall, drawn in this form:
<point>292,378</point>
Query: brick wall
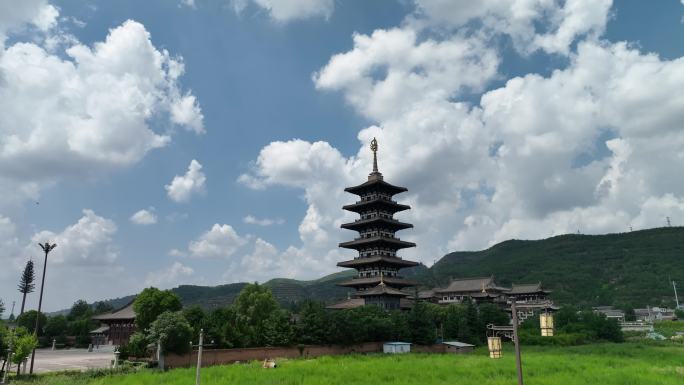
<point>229,356</point>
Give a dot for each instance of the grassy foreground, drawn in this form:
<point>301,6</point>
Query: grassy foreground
<point>606,364</point>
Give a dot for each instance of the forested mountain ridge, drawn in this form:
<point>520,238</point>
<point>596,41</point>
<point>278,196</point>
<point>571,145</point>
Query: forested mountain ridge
<point>626,269</point>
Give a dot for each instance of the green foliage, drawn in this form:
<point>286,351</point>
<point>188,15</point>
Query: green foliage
<point>313,324</point>
<point>669,328</point>
<point>56,326</point>
<point>136,346</point>
<point>23,344</point>
<point>80,309</point>
<point>26,282</point>
<point>152,302</point>
<point>573,327</point>
<point>680,314</point>
<point>173,330</point>
<point>28,321</point>
<point>421,324</point>
<point>101,307</point>
<point>254,313</point>
<point>195,316</point>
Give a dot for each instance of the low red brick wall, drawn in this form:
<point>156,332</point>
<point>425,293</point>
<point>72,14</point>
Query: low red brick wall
<point>229,356</point>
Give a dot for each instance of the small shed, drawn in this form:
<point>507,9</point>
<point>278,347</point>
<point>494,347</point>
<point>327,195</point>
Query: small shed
<point>396,347</point>
<point>458,347</point>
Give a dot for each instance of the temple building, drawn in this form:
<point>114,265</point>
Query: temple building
<point>115,327</point>
<point>378,281</point>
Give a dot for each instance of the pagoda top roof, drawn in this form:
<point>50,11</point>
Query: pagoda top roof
<point>381,221</point>
<point>372,281</point>
<point>377,259</point>
<point>393,243</point>
<point>386,204</point>
<point>382,289</point>
<point>375,183</point>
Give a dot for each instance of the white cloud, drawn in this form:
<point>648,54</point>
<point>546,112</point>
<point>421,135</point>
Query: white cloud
<point>591,147</point>
<point>288,10</point>
<point>182,187</point>
<point>249,219</point>
<point>144,217</point>
<point>549,25</point>
<point>86,111</point>
<point>220,242</point>
<point>87,242</point>
<point>170,276</point>
<point>17,15</point>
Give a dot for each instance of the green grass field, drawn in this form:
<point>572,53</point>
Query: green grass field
<point>604,364</point>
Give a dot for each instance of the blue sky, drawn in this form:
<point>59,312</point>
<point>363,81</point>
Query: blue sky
<point>501,125</point>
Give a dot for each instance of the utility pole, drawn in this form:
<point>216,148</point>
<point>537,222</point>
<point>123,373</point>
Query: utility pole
<point>516,341</point>
<point>47,248</point>
<point>669,223</point>
<point>674,286</point>
<point>199,357</point>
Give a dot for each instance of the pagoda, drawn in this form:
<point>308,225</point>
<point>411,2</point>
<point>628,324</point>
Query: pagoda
<point>378,281</point>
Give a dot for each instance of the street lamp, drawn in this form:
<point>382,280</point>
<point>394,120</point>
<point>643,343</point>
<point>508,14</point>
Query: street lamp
<point>494,334</point>
<point>47,248</point>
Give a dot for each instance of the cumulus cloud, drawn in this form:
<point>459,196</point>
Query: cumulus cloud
<point>221,241</point>
<point>170,276</point>
<point>249,219</point>
<point>182,187</point>
<point>15,16</point>
<point>86,111</point>
<point>87,242</point>
<point>288,10</point>
<point>548,25</point>
<point>144,217</point>
<point>590,147</point>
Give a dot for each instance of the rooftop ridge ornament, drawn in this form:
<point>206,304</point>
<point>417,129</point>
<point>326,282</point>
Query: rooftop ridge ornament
<point>375,174</point>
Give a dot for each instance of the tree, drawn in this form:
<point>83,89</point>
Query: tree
<point>421,324</point>
<point>80,309</point>
<point>313,326</point>
<point>2,308</point>
<point>678,312</point>
<point>152,302</point>
<point>489,313</point>
<point>28,321</point>
<point>26,283</point>
<point>195,316</point>
<point>56,326</point>
<point>23,344</point>
<point>253,310</point>
<point>101,307</point>
<point>452,321</point>
<point>173,331</point>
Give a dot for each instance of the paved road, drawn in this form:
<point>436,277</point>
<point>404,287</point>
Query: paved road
<point>72,359</point>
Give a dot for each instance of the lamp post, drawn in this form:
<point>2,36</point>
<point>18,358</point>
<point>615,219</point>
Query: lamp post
<point>47,248</point>
<point>494,334</point>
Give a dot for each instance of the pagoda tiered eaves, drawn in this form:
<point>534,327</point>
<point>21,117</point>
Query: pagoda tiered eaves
<point>378,281</point>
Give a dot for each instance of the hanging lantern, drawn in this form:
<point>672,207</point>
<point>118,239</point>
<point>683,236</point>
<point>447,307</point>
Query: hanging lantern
<point>546,324</point>
<point>494,344</point>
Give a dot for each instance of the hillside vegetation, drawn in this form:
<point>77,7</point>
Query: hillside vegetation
<point>628,270</point>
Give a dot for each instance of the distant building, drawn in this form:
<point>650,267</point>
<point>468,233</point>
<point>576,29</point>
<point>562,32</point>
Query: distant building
<point>116,327</point>
<point>530,298</point>
<point>611,313</point>
<point>652,314</point>
<point>458,347</point>
<point>396,347</point>
<point>378,281</point>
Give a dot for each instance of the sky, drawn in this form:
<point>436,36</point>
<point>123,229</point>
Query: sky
<point>206,142</point>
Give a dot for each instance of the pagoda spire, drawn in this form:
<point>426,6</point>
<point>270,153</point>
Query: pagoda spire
<point>375,174</point>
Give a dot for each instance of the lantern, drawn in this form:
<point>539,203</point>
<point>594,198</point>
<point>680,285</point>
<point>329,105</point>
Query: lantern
<point>546,324</point>
<point>494,344</point>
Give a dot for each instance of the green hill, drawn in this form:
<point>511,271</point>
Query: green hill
<point>628,269</point>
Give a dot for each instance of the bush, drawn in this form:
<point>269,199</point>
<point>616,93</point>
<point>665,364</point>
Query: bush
<point>174,332</point>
